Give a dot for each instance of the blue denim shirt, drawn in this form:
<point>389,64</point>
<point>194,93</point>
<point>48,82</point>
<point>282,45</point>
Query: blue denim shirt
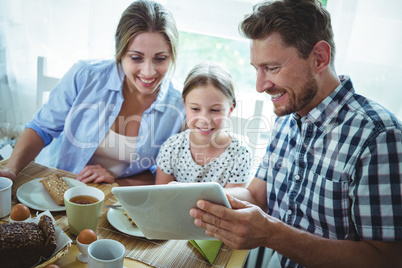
<point>83,106</point>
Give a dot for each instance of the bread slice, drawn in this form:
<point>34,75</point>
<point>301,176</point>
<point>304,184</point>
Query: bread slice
<point>49,232</point>
<point>56,187</point>
<point>23,243</point>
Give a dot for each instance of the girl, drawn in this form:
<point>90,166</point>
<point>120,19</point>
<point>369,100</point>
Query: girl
<point>205,152</point>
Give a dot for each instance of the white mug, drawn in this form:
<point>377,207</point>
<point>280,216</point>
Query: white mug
<point>5,196</point>
<point>106,253</point>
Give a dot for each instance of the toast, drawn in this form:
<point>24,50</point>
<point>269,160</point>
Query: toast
<point>56,187</point>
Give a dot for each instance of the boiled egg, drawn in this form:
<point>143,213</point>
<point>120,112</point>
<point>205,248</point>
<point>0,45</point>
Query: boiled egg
<point>87,236</point>
<point>20,212</point>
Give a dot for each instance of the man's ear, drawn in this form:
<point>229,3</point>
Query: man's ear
<point>322,55</point>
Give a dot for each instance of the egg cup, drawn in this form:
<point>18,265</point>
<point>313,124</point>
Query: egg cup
<point>83,248</point>
<point>26,220</point>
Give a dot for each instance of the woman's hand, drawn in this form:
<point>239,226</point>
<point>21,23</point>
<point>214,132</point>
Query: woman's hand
<point>8,174</point>
<point>95,174</point>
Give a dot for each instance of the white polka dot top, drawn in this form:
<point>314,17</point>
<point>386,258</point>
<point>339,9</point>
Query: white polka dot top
<point>232,166</point>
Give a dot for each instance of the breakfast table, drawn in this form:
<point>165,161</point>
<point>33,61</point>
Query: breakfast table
<point>140,252</point>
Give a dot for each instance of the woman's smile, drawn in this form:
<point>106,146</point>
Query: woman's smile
<point>146,62</point>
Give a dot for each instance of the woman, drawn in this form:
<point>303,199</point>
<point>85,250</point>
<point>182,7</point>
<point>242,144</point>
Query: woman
<point>108,119</point>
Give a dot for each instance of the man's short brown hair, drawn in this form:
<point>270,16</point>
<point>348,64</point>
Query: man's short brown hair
<point>301,24</point>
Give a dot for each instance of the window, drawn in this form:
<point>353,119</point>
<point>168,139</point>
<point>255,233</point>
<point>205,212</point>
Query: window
<point>233,54</point>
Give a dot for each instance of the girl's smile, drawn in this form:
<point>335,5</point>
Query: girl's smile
<point>207,109</point>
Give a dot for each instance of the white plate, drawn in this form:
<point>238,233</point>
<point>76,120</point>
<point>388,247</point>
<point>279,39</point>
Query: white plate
<point>35,196</point>
<point>121,222</point>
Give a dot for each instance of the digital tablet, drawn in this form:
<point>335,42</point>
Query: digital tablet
<point>163,211</point>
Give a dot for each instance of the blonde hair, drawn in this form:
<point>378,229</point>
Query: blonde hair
<point>210,73</point>
<point>146,17</point>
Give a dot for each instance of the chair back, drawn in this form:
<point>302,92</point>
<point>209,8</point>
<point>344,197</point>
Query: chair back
<point>44,83</point>
<point>248,130</point>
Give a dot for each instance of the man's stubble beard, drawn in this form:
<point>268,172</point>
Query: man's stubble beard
<point>302,99</point>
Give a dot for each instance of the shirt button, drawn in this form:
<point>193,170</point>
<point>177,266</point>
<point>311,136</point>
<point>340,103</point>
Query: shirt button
<point>289,212</point>
<point>297,177</point>
<point>145,115</point>
<point>141,137</point>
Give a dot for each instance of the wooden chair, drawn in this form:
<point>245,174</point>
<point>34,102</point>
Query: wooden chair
<point>249,130</point>
<point>44,83</point>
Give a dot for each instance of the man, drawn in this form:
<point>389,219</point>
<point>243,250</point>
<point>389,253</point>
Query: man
<point>328,192</point>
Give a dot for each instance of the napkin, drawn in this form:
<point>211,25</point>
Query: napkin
<point>209,249</point>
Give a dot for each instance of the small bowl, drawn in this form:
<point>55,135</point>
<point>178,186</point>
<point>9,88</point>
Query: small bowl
<point>83,248</point>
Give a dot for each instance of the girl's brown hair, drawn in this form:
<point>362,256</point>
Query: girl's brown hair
<point>210,73</point>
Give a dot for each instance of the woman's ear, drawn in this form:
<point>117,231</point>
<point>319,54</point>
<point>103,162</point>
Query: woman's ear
<point>322,55</point>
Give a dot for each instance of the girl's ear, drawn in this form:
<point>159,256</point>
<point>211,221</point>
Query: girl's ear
<point>232,107</point>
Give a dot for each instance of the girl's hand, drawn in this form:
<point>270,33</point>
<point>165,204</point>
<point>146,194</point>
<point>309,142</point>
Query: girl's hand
<point>95,174</point>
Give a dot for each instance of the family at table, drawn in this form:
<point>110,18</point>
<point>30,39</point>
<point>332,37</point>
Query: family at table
<point>328,191</point>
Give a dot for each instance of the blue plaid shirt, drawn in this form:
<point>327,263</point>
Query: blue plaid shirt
<point>339,176</point>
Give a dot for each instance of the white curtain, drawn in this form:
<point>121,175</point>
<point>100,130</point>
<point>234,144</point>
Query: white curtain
<point>368,35</point>
<point>64,31</point>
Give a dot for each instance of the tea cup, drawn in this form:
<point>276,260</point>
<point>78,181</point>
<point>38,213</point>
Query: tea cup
<point>83,216</point>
